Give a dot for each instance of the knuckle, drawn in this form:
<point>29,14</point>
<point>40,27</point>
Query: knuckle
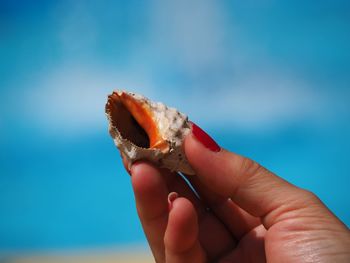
<point>310,196</point>
<point>250,167</point>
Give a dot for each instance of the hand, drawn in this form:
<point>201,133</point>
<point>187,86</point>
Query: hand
<point>241,212</point>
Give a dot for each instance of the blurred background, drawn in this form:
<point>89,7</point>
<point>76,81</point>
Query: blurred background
<point>267,79</point>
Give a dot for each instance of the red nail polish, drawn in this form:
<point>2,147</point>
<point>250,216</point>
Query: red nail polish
<point>171,198</point>
<point>204,138</point>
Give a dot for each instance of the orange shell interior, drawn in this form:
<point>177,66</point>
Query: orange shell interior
<point>144,117</point>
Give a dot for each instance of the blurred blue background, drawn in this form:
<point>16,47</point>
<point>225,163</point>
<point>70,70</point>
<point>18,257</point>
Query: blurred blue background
<point>267,79</point>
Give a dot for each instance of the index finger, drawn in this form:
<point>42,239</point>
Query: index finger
<point>252,187</point>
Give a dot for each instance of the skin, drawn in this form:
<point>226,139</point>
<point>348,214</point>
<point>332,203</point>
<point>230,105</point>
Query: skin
<point>241,213</point>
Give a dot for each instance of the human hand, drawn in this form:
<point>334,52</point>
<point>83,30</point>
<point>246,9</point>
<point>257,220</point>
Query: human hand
<point>241,212</point>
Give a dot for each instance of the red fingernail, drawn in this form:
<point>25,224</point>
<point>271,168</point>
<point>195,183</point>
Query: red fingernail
<point>171,198</point>
<point>204,138</point>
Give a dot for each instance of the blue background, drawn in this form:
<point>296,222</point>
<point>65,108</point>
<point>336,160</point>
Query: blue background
<point>267,79</point>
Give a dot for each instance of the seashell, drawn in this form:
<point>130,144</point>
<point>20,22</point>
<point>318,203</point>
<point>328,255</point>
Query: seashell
<point>148,130</point>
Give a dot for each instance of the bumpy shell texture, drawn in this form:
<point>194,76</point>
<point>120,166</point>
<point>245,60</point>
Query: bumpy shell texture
<point>146,130</point>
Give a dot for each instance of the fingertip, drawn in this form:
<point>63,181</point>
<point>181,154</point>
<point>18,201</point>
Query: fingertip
<point>196,152</point>
<point>144,176</point>
<point>204,138</point>
<point>193,149</point>
<point>137,167</point>
<point>207,164</point>
<point>191,143</point>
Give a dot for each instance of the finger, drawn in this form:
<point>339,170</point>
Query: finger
<point>238,221</point>
<point>224,215</point>
<point>151,194</point>
<point>214,235</point>
<point>252,187</point>
<point>176,183</point>
<point>181,236</point>
<point>250,249</point>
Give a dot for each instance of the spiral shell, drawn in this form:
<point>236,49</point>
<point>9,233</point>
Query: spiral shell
<point>142,129</point>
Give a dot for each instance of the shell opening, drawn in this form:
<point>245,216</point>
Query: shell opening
<point>135,121</point>
<point>124,121</point>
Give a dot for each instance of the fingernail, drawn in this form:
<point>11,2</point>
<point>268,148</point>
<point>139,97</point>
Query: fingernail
<point>171,198</point>
<point>204,138</point>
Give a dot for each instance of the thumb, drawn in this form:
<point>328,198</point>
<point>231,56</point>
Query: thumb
<point>248,184</point>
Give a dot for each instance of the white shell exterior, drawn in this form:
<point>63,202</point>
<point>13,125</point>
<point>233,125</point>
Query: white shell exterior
<point>173,127</point>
